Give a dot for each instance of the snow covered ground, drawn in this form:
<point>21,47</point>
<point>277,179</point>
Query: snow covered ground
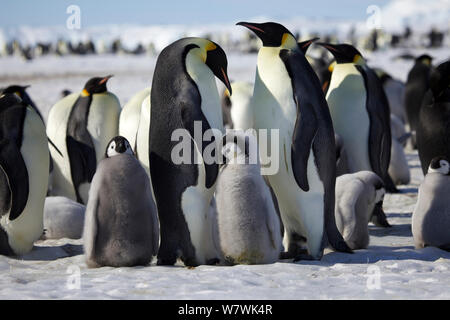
<point>389,269</point>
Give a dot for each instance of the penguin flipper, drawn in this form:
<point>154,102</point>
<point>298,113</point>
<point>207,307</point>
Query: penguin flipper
<point>306,124</point>
<point>189,115</point>
<point>15,169</point>
<point>380,129</point>
<point>83,163</point>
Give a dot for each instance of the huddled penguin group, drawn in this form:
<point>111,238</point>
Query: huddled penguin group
<point>177,172</point>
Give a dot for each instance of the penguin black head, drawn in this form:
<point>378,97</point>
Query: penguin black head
<point>440,165</point>
<point>19,90</point>
<point>304,45</point>
<point>440,81</point>
<point>343,53</point>
<point>216,60</point>
<point>118,145</point>
<point>7,100</point>
<point>425,59</point>
<point>272,34</point>
<point>95,85</point>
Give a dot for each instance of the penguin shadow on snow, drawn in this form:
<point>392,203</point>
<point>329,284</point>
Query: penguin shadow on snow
<point>51,253</point>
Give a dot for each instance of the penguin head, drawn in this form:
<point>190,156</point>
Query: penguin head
<point>213,56</point>
<point>304,45</point>
<point>440,165</point>
<point>272,34</point>
<point>425,59</point>
<point>18,90</point>
<point>440,81</point>
<point>118,145</point>
<point>95,85</point>
<point>344,53</point>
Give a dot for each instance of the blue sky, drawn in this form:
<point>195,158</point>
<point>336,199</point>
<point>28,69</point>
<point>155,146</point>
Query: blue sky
<point>98,12</point>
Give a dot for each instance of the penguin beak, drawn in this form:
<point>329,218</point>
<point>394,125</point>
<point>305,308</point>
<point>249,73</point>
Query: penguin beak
<point>256,28</point>
<point>105,79</point>
<point>121,146</point>
<point>216,60</point>
<point>304,45</point>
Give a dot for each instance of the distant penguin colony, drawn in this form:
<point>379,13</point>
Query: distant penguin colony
<point>136,182</point>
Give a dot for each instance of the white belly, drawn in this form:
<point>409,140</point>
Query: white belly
<point>28,227</point>
<point>103,121</point>
<point>61,177</point>
<point>346,99</point>
<point>302,212</point>
<point>143,135</point>
<point>130,115</point>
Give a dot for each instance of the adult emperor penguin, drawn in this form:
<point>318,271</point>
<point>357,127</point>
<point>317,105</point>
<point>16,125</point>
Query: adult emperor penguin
<point>130,115</point>
<point>24,162</point>
<point>22,93</point>
<point>433,128</point>
<point>288,97</point>
<point>184,94</point>
<point>121,225</point>
<point>417,85</point>
<point>80,125</point>
<point>360,112</point>
<point>431,216</point>
<point>248,224</point>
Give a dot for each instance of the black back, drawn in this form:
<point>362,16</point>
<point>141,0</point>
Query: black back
<point>313,131</point>
<point>433,130</point>
<point>21,90</point>
<point>417,85</point>
<point>176,102</point>
<point>14,187</point>
<point>80,147</point>
<point>380,138</point>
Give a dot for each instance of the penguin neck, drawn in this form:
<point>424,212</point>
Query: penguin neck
<point>205,80</point>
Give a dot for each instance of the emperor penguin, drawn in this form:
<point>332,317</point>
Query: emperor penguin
<point>80,125</point>
<point>63,218</point>
<point>360,112</point>
<point>24,163</point>
<point>22,93</point>
<point>431,216</point>
<point>433,128</point>
<point>130,115</point>
<point>417,84</point>
<point>184,96</point>
<point>240,112</point>
<point>288,97</point>
<point>142,134</point>
<point>395,93</point>
<point>249,227</point>
<point>357,195</point>
<point>121,223</point>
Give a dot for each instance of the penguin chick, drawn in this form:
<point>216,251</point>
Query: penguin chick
<point>121,226</point>
<point>357,195</point>
<point>249,227</point>
<point>63,218</point>
<point>431,216</point>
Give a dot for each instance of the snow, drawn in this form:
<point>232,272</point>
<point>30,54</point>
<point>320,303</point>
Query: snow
<point>50,270</point>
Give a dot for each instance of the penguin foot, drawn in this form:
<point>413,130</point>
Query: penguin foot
<point>166,262</point>
<point>380,221</point>
<point>304,256</point>
<point>213,261</point>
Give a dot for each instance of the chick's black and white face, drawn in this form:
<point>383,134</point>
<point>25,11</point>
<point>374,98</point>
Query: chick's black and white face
<point>440,165</point>
<point>117,146</point>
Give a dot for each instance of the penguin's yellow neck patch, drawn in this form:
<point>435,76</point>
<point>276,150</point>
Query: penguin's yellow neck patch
<point>288,41</point>
<point>208,47</point>
<point>331,66</point>
<point>85,93</point>
<point>426,61</point>
<point>357,59</point>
